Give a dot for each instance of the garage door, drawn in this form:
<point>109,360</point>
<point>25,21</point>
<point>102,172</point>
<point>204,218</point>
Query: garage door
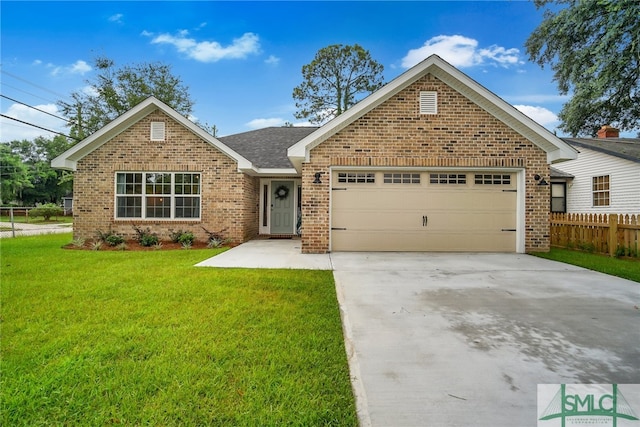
<point>423,211</point>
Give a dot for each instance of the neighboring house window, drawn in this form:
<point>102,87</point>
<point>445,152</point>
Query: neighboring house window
<point>558,197</point>
<point>600,190</point>
<point>428,102</point>
<point>157,131</point>
<point>162,195</point>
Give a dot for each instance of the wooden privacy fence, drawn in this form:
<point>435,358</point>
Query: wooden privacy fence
<point>616,235</point>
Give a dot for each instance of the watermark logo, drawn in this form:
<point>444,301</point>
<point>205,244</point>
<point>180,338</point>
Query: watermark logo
<point>588,405</point>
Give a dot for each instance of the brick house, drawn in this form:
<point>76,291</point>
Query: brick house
<point>432,161</point>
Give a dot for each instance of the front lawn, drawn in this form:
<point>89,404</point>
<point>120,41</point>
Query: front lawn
<point>37,219</point>
<point>144,338</point>
<point>625,268</point>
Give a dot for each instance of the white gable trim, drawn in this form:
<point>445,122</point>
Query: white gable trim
<point>69,159</point>
<point>556,149</point>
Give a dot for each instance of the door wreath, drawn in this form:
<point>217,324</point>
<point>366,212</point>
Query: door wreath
<point>282,192</point>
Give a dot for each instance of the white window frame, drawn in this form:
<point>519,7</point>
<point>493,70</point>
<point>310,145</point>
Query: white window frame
<point>144,197</point>
<point>601,194</point>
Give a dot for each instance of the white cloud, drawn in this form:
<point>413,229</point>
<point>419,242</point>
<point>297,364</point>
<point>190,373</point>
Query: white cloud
<point>117,18</point>
<point>78,67</point>
<point>541,115</point>
<point>272,60</point>
<point>462,52</point>
<point>210,51</point>
<point>11,130</point>
<point>264,123</point>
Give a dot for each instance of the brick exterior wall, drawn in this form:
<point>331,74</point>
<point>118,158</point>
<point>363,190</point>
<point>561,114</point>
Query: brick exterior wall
<point>394,134</point>
<point>229,199</point>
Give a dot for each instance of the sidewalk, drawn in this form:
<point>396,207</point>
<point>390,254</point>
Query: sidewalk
<point>25,229</point>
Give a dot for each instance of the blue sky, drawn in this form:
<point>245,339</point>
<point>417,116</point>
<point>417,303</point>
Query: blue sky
<point>241,60</point>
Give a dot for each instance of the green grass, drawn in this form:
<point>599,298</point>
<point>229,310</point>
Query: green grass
<point>37,220</point>
<point>145,338</point>
<point>625,268</point>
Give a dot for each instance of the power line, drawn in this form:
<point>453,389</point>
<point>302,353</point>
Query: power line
<point>28,93</point>
<point>39,127</point>
<point>33,84</point>
<point>38,109</point>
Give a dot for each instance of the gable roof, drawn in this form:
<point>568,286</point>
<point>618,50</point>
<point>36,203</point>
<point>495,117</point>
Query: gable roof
<point>556,149</point>
<point>267,148</point>
<point>624,148</point>
<point>69,159</point>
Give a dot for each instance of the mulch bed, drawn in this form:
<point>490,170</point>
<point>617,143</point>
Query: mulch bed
<point>133,245</point>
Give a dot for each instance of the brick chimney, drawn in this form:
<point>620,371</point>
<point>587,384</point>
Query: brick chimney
<point>607,131</point>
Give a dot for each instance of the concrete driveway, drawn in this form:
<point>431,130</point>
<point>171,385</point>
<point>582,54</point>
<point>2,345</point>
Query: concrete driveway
<point>464,339</point>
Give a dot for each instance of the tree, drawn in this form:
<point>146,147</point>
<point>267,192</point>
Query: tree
<point>593,47</point>
<point>115,91</point>
<point>14,175</point>
<point>44,183</point>
<point>333,80</point>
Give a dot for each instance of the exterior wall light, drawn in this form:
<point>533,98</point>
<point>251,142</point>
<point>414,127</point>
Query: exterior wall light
<point>541,180</point>
<point>317,178</point>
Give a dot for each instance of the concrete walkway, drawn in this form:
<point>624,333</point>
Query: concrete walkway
<point>26,229</point>
<point>269,253</point>
<point>464,339</point>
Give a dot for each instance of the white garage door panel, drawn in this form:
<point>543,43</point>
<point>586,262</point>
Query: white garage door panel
<point>424,217</point>
<point>370,199</point>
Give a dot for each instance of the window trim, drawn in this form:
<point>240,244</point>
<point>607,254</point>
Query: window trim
<point>144,197</point>
<point>604,193</point>
<point>563,197</point>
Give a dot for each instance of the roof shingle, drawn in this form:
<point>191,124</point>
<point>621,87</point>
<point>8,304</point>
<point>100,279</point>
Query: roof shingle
<point>267,148</point>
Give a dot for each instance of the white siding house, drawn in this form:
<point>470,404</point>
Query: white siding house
<point>606,176</point>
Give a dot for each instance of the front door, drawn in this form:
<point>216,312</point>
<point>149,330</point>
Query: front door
<point>282,212</point>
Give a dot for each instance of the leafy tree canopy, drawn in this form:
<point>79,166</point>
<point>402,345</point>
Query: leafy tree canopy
<point>593,47</point>
<point>333,81</point>
<point>14,175</point>
<point>114,91</point>
<point>26,167</point>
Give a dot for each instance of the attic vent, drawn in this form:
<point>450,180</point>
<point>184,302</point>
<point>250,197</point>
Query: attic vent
<point>157,131</point>
<point>428,102</point>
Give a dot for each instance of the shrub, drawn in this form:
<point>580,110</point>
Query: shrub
<point>110,238</point>
<point>182,236</point>
<point>146,237</point>
<point>114,240</point>
<point>186,238</point>
<point>175,235</point>
<point>46,211</point>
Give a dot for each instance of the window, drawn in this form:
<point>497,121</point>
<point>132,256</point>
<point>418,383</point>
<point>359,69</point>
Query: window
<point>157,131</point>
<point>357,177</point>
<point>601,190</point>
<point>447,178</point>
<point>558,197</point>
<point>428,102</point>
<point>495,179</point>
<point>158,195</point>
<point>402,178</point>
